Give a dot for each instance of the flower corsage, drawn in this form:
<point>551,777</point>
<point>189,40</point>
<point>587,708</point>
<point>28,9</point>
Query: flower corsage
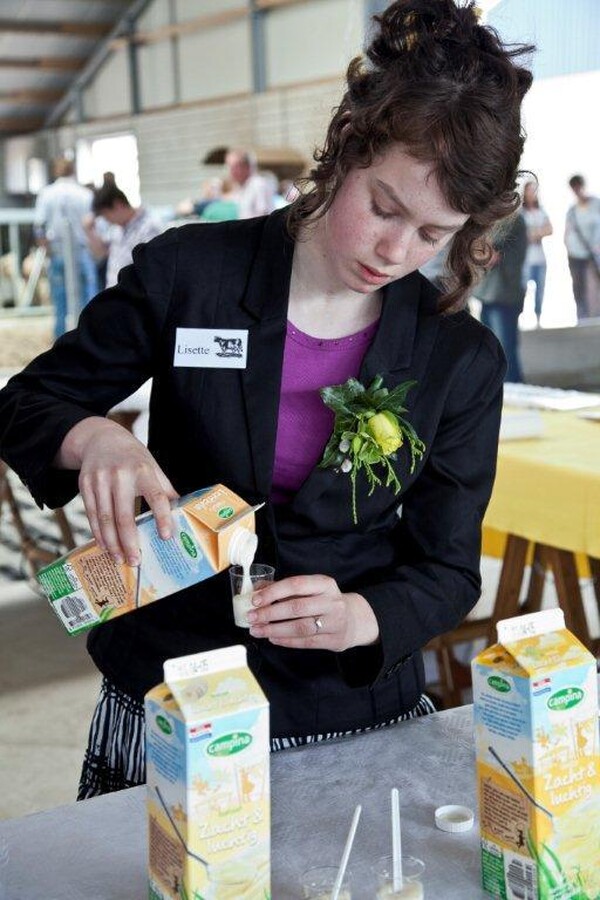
<point>368,430</point>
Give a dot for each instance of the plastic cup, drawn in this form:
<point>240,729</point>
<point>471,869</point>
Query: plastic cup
<point>317,883</point>
<point>226,884</point>
<point>412,870</point>
<point>260,575</point>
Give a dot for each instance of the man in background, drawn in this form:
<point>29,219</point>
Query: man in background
<point>582,240</point>
<point>135,225</point>
<point>59,212</point>
<point>254,193</point>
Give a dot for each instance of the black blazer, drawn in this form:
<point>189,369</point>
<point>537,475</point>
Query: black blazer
<point>418,566</point>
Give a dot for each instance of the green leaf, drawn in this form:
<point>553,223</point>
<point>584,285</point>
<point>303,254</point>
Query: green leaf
<point>376,383</point>
<point>353,388</point>
<point>333,400</point>
<point>398,394</point>
<point>330,452</point>
<point>346,422</point>
<point>370,454</point>
<point>378,396</point>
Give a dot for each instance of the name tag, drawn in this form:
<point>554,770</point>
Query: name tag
<point>211,348</point>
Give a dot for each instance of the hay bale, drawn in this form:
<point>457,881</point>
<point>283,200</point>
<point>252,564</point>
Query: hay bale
<point>23,338</point>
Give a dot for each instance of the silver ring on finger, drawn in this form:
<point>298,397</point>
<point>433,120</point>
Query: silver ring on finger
<point>318,624</point>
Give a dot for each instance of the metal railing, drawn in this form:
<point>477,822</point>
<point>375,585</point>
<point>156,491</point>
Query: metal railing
<point>17,292</point>
<point>16,239</point>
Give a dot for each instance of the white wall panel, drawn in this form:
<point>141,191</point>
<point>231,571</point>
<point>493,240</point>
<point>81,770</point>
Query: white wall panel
<point>191,9</point>
<point>154,16</point>
<point>108,94</point>
<point>157,86</point>
<point>216,62</point>
<point>312,39</point>
<point>155,61</point>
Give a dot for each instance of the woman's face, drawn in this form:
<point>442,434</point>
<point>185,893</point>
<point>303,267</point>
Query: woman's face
<point>386,221</point>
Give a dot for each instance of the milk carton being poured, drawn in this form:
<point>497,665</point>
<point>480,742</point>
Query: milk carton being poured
<point>212,528</point>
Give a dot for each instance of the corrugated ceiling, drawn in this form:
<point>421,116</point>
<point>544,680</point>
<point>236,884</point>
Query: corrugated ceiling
<point>44,44</point>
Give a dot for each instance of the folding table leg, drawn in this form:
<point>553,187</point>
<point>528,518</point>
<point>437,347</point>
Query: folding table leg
<point>65,529</point>
<point>537,580</point>
<point>566,580</point>
<point>511,581</point>
<point>595,570</point>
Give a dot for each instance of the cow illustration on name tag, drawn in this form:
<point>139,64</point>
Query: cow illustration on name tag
<point>229,347</point>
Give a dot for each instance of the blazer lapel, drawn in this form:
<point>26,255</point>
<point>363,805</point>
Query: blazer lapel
<point>266,300</point>
<point>392,347</point>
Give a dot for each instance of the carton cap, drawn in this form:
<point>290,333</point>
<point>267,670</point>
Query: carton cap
<point>530,625</point>
<point>196,664</point>
<point>454,818</point>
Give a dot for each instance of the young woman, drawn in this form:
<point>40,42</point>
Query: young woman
<point>538,227</point>
<point>422,151</point>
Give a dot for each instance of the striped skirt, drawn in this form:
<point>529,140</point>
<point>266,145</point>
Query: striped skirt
<point>115,757</point>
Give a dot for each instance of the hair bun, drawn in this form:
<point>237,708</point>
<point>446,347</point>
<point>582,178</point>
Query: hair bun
<point>410,25</point>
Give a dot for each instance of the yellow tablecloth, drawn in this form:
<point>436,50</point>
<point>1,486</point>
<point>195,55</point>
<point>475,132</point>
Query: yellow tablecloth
<point>548,488</point>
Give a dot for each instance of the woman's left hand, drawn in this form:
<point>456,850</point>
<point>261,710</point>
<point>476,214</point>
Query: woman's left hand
<point>310,612</point>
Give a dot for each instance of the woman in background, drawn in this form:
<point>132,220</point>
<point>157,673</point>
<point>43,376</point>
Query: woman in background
<point>538,227</point>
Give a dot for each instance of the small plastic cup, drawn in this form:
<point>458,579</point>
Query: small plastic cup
<point>260,575</point>
<point>227,885</point>
<point>317,883</point>
<point>412,870</point>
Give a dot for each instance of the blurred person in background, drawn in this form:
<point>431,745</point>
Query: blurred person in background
<point>135,226</point>
<point>211,189</point>
<point>255,193</point>
<point>502,291</point>
<point>287,192</point>
<point>103,229</point>
<point>224,207</point>
<point>59,213</point>
<point>582,240</point>
<point>538,227</point>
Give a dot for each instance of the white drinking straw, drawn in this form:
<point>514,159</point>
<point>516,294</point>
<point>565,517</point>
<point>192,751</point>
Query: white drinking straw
<point>396,842</point>
<point>346,854</point>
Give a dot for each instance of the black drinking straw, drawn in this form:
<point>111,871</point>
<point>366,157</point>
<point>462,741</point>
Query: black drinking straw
<point>519,785</point>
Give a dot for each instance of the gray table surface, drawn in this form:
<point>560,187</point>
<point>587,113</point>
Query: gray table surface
<point>96,850</point>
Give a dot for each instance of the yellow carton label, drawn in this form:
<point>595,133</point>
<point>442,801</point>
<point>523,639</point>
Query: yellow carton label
<point>207,738</point>
<point>538,763</point>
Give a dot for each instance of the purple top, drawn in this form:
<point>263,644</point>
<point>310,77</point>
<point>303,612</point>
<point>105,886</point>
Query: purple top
<point>305,423</point>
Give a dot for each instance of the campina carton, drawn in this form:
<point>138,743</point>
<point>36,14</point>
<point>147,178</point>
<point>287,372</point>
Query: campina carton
<point>535,700</point>
<point>208,792</point>
<point>212,528</point>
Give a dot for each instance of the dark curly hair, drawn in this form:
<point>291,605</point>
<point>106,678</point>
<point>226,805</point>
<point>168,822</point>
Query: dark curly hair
<point>445,87</point>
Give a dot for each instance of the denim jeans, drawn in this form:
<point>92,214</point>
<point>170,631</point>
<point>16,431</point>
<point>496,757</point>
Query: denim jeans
<point>503,321</point>
<point>88,286</point>
<point>536,272</point>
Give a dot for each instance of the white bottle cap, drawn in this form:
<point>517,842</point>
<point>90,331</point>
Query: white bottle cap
<point>454,818</point>
<point>242,547</point>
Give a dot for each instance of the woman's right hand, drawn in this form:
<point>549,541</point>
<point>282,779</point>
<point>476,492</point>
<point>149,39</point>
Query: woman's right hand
<point>115,469</point>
